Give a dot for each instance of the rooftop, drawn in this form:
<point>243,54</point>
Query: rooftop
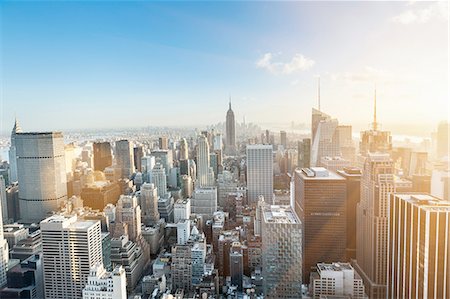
<point>280,214</point>
<point>318,173</point>
<point>425,201</point>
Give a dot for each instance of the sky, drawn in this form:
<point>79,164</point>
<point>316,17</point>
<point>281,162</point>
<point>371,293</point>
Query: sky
<point>111,64</point>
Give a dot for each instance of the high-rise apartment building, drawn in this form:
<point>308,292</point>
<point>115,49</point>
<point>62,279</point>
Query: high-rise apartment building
<point>41,169</point>
<point>377,182</point>
<point>205,174</point>
<point>260,172</point>
<point>419,246</point>
<point>102,155</point>
<point>70,247</point>
<point>230,133</point>
<point>281,252</point>
<point>13,153</point>
<point>124,158</point>
<point>106,285</point>
<point>320,203</point>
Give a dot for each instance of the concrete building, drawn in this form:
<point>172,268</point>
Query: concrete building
<point>336,280</point>
<point>102,155</point>
<point>260,172</point>
<point>187,186</point>
<point>304,153</point>
<point>184,149</point>
<point>419,250</point>
<point>281,252</point>
<point>124,158</point>
<point>98,194</point>
<point>70,248</point>
<point>377,182</point>
<point>204,202</point>
<point>320,203</point>
<point>106,285</point>
<point>128,212</point>
<point>230,132</point>
<point>41,170</point>
<point>334,163</point>
<point>159,179</point>
<point>182,210</point>
<point>149,204</point>
<point>165,208</point>
<point>237,265</point>
<point>13,176</point>
<point>205,173</point>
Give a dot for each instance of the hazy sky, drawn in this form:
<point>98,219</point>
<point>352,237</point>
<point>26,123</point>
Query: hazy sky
<point>106,64</point>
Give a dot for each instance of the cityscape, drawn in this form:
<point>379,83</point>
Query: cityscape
<point>239,150</point>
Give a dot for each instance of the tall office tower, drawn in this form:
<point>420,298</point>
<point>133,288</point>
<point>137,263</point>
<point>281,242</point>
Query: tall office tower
<point>304,153</point>
<point>325,141</point>
<point>204,178</point>
<point>165,208</point>
<point>260,172</point>
<point>183,231</point>
<point>163,143</point>
<point>281,252</point>
<point>4,249</point>
<point>165,158</point>
<point>124,158</point>
<point>184,149</point>
<point>336,279</point>
<point>186,186</point>
<point>374,140</point>
<point>443,140</point>
<point>418,164</point>
<point>12,152</point>
<point>204,202</point>
<point>353,182</point>
<point>138,153</point>
<point>3,198</point>
<point>320,203</point>
<point>182,210</point>
<point>237,265</point>
<point>159,179</point>
<point>419,249</point>
<point>70,248</point>
<point>129,212</point>
<point>41,170</point>
<point>102,155</point>
<point>230,133</point>
<point>103,284</point>
<point>217,142</point>
<point>181,267</point>
<point>283,139</point>
<point>377,181</point>
<point>149,204</point>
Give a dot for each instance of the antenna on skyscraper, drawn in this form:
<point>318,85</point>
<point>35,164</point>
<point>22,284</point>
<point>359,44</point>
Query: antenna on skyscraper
<point>229,104</point>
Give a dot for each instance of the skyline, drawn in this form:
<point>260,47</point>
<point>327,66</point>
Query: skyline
<point>138,56</point>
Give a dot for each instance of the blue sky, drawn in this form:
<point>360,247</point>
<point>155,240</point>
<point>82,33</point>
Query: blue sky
<point>68,65</point>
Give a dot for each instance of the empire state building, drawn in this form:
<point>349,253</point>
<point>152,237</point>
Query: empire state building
<point>230,141</point>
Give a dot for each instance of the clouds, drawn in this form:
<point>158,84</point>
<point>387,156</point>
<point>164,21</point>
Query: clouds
<point>298,63</point>
<point>437,11</point>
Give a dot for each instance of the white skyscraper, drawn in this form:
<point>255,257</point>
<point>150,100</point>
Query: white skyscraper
<point>125,158</point>
<point>149,204</point>
<point>377,182</point>
<point>205,174</point>
<point>159,179</point>
<point>4,249</point>
<point>12,152</point>
<point>260,172</point>
<point>106,285</point>
<point>325,140</point>
<point>70,247</point>
<point>41,169</point>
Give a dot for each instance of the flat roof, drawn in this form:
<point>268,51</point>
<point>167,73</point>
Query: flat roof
<point>331,175</point>
<point>425,201</point>
<point>280,214</point>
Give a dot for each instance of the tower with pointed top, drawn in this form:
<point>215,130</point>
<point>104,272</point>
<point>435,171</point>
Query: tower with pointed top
<point>12,152</point>
<point>230,136</point>
<point>375,140</point>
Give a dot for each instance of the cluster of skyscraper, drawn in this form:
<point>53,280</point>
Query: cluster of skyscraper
<point>258,216</point>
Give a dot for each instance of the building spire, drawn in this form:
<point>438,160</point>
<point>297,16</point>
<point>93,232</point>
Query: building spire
<point>375,124</point>
<point>229,104</point>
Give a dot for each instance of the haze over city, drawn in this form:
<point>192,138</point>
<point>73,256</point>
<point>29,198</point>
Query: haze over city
<point>79,65</point>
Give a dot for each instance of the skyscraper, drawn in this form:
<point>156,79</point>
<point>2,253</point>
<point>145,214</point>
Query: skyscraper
<point>283,139</point>
<point>320,203</point>
<point>129,212</point>
<point>12,152</point>
<point>419,249</point>
<point>70,247</point>
<point>163,143</point>
<point>260,172</point>
<point>124,158</point>
<point>281,252</point>
<point>184,149</point>
<point>4,249</point>
<point>304,153</point>
<point>374,140</point>
<point>159,179</point>
<point>41,169</point>
<point>377,181</point>
<point>107,285</point>
<point>443,140</point>
<point>230,134</point>
<point>102,155</point>
<point>325,140</point>
<point>149,204</point>
<point>205,174</point>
